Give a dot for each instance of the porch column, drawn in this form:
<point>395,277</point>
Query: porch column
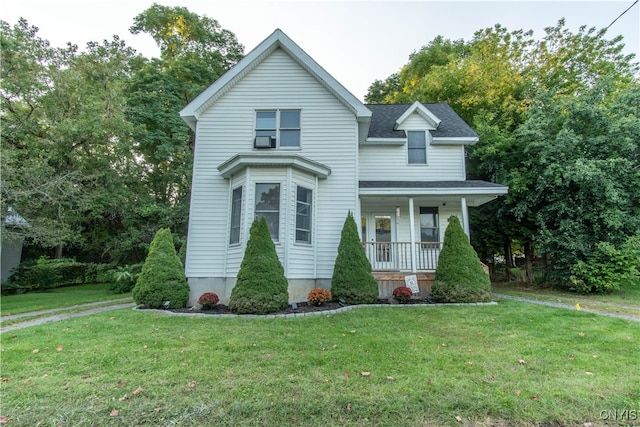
<point>465,216</point>
<point>412,236</point>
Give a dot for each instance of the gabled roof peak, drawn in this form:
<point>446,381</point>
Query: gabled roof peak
<point>423,111</point>
<point>277,39</point>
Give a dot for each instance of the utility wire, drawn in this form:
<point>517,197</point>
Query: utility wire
<point>619,16</point>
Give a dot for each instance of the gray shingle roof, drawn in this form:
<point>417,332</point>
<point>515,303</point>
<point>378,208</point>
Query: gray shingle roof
<point>384,119</point>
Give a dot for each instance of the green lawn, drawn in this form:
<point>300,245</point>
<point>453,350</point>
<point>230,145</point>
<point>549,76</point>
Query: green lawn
<point>60,297</point>
<point>625,301</point>
<point>509,364</point>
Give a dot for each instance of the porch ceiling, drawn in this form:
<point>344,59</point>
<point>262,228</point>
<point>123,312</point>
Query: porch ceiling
<point>476,192</point>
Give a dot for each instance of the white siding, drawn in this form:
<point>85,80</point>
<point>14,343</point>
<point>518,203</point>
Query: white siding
<point>328,136</point>
<point>390,163</point>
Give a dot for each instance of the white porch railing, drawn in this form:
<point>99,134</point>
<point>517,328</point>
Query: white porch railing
<point>396,256</point>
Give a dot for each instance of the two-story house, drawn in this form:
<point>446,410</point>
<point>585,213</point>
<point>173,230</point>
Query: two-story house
<point>277,136</point>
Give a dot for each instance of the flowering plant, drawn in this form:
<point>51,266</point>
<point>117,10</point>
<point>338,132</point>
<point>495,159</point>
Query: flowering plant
<point>402,294</point>
<point>208,300</point>
<point>319,296</point>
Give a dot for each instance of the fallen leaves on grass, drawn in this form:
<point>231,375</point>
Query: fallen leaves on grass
<point>59,348</point>
<point>390,378</point>
<point>191,384</point>
<point>138,391</point>
<point>4,419</point>
<point>458,418</point>
<point>35,350</point>
<point>114,413</point>
<point>122,384</point>
<point>365,374</point>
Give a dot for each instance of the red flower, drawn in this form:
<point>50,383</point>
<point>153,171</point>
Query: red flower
<point>402,294</point>
<point>208,300</point>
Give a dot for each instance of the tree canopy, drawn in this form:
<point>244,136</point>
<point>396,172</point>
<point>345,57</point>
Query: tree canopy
<point>94,155</point>
<point>558,123</point>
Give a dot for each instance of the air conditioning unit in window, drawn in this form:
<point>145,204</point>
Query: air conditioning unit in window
<point>264,142</point>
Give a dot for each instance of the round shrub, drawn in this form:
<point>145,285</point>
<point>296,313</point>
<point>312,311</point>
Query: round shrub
<point>261,287</point>
<point>319,296</point>
<point>459,274</point>
<point>124,278</point>
<point>162,278</point>
<point>208,300</point>
<point>352,280</point>
<point>402,294</point>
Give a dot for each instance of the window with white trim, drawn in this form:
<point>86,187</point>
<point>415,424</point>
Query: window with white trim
<point>236,214</point>
<point>429,226</point>
<point>268,206</point>
<point>303,214</point>
<point>283,126</point>
<point>417,147</point>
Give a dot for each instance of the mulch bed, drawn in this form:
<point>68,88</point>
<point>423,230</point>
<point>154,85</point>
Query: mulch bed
<point>302,307</point>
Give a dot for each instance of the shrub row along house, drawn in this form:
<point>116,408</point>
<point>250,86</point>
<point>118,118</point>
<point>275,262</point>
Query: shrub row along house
<point>279,137</point>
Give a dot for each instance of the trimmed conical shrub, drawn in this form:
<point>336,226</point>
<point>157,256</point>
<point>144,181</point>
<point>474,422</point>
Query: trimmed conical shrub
<point>261,287</point>
<point>352,280</point>
<point>459,274</point>
<point>162,277</point>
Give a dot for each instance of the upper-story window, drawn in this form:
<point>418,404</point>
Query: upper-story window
<point>417,147</point>
<point>282,127</point>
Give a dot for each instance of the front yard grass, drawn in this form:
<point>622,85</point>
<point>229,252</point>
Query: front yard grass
<point>625,301</point>
<point>59,297</point>
<point>509,364</point>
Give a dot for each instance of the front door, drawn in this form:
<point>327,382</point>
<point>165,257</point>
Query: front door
<point>380,232</point>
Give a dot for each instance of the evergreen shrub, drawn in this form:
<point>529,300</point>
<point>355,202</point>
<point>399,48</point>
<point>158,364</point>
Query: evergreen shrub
<point>459,275</point>
<point>162,277</point>
<point>261,286</point>
<point>352,280</point>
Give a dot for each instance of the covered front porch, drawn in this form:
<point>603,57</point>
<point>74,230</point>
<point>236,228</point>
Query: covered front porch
<point>403,223</point>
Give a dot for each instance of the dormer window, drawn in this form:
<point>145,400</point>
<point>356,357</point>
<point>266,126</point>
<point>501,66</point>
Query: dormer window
<point>277,129</point>
<point>417,147</point>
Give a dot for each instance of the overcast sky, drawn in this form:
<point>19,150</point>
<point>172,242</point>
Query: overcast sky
<point>355,41</point>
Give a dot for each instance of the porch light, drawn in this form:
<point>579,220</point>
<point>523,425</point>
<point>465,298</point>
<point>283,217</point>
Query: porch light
<point>398,211</point>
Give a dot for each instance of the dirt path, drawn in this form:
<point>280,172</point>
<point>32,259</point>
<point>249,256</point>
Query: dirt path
<point>91,308</point>
<point>572,307</point>
<point>99,307</point>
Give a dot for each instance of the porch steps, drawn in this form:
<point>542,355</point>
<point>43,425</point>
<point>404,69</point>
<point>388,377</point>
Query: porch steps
<point>389,280</point>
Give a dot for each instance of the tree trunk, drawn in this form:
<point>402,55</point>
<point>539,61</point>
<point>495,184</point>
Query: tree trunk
<point>528,262</point>
<point>58,254</point>
<point>508,260</point>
